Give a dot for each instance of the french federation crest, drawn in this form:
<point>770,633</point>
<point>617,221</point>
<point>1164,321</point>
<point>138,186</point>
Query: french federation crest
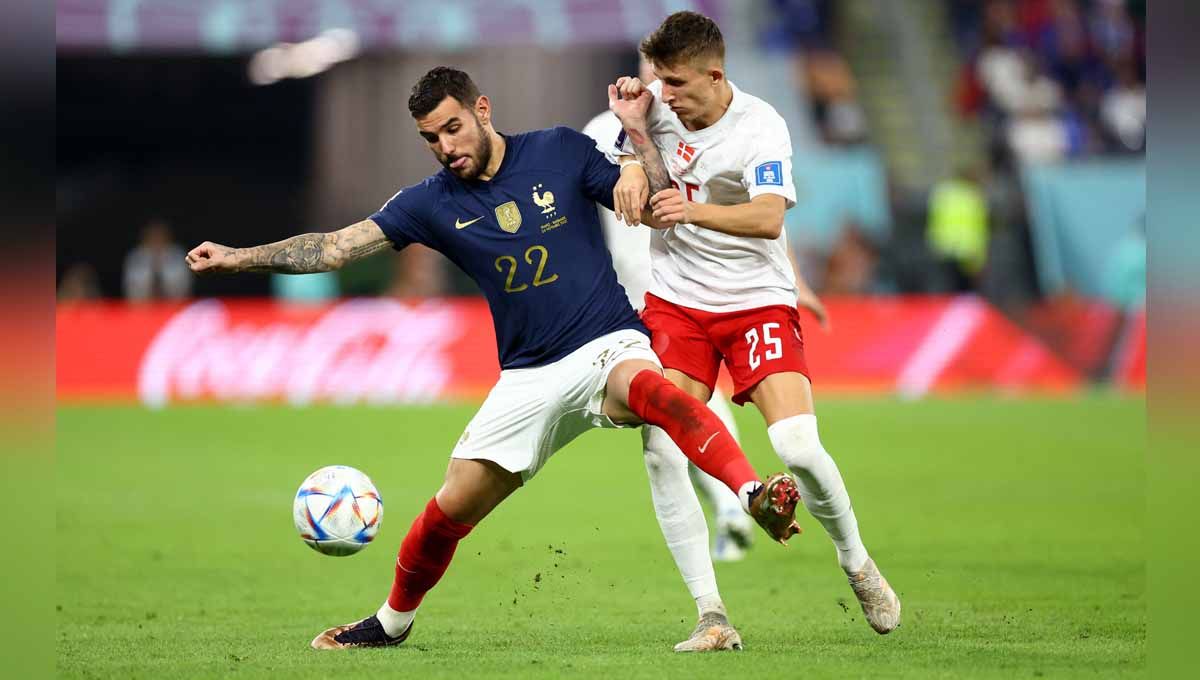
<point>509,217</point>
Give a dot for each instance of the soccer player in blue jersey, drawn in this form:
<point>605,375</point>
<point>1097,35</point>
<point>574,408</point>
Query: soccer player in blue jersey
<point>517,213</point>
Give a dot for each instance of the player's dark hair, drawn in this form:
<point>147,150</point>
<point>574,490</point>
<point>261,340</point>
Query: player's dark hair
<point>683,36</point>
<point>439,83</point>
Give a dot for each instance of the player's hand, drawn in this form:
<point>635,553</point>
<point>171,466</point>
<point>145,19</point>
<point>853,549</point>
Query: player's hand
<point>630,194</point>
<point>809,300</point>
<point>669,207</point>
<point>630,101</point>
<point>211,258</point>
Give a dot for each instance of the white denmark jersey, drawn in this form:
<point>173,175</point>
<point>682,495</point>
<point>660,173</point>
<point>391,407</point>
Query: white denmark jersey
<point>744,154</point>
<point>630,246</point>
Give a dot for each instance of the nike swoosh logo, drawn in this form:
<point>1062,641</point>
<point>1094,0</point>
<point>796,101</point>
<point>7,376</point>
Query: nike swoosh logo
<point>705,446</point>
<point>458,224</point>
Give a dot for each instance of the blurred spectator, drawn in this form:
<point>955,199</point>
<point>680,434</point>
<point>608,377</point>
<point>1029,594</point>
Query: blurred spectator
<point>78,283</point>
<point>833,92</point>
<point>419,272</point>
<point>958,227</point>
<point>1054,78</point>
<point>155,269</point>
<point>1123,109</point>
<point>852,263</point>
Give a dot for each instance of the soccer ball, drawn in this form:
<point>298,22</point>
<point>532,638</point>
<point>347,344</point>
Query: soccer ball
<point>337,510</point>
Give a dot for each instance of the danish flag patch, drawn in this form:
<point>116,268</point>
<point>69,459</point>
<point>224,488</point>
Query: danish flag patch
<point>685,152</point>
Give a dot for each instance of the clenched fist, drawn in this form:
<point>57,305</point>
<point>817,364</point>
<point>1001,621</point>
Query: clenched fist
<point>212,258</point>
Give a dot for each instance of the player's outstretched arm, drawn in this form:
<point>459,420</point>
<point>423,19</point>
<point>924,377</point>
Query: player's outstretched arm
<point>303,254</point>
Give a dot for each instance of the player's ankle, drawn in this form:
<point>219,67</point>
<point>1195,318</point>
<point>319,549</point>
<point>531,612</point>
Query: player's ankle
<point>746,491</point>
<point>394,622</point>
<point>706,604</point>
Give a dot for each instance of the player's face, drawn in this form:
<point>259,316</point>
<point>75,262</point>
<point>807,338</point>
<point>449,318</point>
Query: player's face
<point>691,89</point>
<point>456,137</point>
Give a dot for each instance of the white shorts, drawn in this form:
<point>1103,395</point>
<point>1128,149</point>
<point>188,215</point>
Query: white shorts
<point>531,413</point>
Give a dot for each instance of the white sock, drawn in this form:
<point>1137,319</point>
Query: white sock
<point>394,622</point>
<point>724,501</point>
<point>746,492</point>
<point>679,516</point>
<point>821,487</point>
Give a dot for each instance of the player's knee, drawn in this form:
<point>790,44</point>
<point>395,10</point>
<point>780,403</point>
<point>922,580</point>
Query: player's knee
<point>662,457</point>
<point>797,443</point>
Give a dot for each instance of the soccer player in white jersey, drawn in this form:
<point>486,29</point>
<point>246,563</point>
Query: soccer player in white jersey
<point>630,248</point>
<point>721,284</point>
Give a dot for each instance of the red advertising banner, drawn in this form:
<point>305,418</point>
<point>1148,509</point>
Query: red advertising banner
<point>381,350</point>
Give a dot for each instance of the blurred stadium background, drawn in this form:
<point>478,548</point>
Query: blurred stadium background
<point>992,149</point>
<point>971,181</point>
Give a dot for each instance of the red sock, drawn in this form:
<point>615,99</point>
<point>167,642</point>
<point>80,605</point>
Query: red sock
<point>697,431</point>
<point>424,556</point>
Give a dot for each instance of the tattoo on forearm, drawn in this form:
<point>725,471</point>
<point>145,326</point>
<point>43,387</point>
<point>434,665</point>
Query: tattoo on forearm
<point>652,162</point>
<point>309,253</point>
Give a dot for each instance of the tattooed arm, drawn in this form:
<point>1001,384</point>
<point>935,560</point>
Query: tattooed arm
<point>301,254</point>
<point>630,101</point>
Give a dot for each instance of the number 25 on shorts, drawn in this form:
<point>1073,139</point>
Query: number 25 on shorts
<point>774,348</point>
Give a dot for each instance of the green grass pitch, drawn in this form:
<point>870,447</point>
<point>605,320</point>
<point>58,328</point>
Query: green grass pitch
<point>1012,529</point>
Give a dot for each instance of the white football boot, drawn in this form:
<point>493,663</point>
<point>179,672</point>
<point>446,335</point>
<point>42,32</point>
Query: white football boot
<point>713,634</point>
<point>879,602</point>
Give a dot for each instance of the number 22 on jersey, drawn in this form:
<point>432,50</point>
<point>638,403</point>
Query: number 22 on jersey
<point>539,276</point>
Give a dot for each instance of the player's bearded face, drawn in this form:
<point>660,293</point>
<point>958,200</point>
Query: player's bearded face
<point>457,139</point>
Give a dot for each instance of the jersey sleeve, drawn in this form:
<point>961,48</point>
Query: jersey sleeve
<point>403,218</point>
<point>624,147</point>
<point>769,168</point>
<point>597,173</point>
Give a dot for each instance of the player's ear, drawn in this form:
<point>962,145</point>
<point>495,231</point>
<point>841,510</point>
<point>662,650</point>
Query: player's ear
<point>716,74</point>
<point>483,109</point>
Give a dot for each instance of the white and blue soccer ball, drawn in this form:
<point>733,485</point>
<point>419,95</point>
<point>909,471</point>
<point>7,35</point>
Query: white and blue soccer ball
<point>337,510</point>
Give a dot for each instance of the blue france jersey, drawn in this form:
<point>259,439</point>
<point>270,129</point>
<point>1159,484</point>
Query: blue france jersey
<point>531,238</point>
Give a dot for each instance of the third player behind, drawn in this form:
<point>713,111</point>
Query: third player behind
<point>722,287</point>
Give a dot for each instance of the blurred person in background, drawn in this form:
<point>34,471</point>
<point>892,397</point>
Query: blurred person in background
<point>155,269</point>
<point>1123,109</point>
<point>418,272</point>
<point>958,227</point>
<point>851,266</point>
<point>78,283</point>
<point>834,95</point>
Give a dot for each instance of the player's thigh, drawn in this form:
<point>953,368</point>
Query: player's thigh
<point>510,426</point>
<point>473,488</point>
<point>681,343</point>
<point>758,344</point>
<point>782,395</point>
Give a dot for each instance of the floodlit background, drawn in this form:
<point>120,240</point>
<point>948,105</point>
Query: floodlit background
<point>972,208</point>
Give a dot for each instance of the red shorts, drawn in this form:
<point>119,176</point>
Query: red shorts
<point>753,342</point>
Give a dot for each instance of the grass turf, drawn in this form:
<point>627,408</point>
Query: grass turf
<point>1013,530</point>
